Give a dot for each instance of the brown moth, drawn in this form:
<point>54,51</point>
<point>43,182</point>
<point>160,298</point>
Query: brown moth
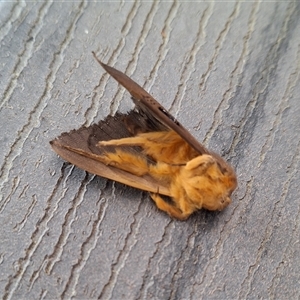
<point>149,149</point>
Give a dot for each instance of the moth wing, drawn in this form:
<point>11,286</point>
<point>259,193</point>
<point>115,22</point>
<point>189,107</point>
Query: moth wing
<point>156,113</point>
<point>79,147</point>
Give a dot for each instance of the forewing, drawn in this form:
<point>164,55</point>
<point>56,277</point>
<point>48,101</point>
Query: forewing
<point>155,112</point>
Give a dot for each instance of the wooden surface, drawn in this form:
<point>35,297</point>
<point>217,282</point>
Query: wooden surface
<point>228,71</point>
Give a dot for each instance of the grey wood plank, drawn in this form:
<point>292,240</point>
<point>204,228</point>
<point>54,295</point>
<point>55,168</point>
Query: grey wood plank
<point>229,71</point>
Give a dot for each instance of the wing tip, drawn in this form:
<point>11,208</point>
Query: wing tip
<point>98,60</point>
<point>53,143</point>
<point>106,67</point>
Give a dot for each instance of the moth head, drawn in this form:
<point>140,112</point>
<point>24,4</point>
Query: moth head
<point>209,182</point>
<point>218,203</point>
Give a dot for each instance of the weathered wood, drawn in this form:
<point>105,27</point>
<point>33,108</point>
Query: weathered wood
<point>228,71</point>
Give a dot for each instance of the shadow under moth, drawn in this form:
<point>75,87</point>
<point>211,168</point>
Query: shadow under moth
<point>149,149</point>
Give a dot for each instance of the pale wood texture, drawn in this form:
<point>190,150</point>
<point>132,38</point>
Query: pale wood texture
<point>228,71</point>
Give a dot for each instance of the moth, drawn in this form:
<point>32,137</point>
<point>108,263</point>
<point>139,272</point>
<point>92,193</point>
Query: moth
<point>148,149</point>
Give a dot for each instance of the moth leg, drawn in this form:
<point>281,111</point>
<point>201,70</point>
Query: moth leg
<point>129,141</point>
<point>161,139</point>
<point>201,162</point>
<point>133,164</point>
<point>170,209</point>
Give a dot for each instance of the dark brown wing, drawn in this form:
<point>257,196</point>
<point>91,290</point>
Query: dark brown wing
<point>79,147</point>
<point>153,110</point>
